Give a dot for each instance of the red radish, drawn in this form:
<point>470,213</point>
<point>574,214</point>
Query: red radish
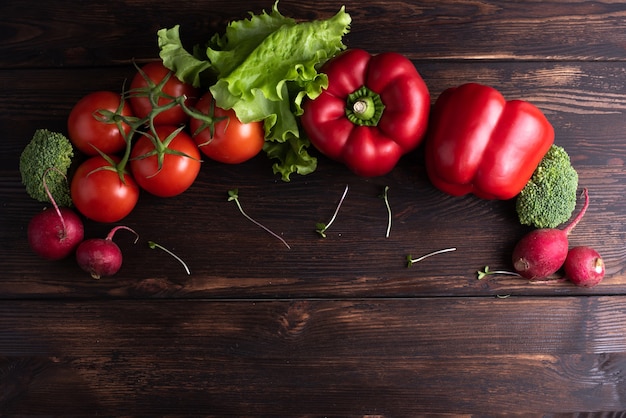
<point>101,257</point>
<point>584,267</point>
<point>542,252</point>
<point>54,234</point>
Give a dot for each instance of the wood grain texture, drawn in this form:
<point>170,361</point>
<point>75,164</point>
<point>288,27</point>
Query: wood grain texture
<point>338,326</point>
<point>314,358</point>
<point>119,31</point>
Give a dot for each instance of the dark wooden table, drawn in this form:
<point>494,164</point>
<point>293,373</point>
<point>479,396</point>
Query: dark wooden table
<point>337,326</point>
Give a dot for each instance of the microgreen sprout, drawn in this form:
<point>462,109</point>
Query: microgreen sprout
<point>322,227</point>
<point>410,260</point>
<point>154,245</point>
<point>487,272</point>
<point>548,280</point>
<point>233,195</point>
<point>386,199</point>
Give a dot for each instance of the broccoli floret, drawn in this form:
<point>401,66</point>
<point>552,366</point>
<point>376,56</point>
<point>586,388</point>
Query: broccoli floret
<point>45,150</point>
<point>549,197</point>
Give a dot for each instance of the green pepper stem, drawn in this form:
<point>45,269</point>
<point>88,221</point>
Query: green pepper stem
<point>364,107</point>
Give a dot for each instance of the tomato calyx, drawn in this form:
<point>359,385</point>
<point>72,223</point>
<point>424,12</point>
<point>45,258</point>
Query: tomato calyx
<point>118,118</point>
<point>161,147</point>
<point>158,98</point>
<point>154,92</point>
<point>221,136</point>
<point>160,102</point>
<point>364,107</point>
<point>208,121</point>
<point>112,165</point>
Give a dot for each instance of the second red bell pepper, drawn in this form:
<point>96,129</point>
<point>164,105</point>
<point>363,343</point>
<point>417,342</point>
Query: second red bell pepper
<point>482,144</point>
<point>374,110</point>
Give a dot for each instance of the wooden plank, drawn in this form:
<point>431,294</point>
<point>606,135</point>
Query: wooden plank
<point>230,257</point>
<point>584,101</point>
<point>58,34</point>
<point>319,357</point>
<point>337,326</point>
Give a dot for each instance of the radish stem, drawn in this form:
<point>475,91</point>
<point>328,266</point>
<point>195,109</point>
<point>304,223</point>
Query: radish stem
<point>115,229</point>
<point>54,203</point>
<point>578,217</point>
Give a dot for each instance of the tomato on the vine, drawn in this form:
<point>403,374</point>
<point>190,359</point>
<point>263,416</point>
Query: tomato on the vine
<point>150,85</point>
<point>179,167</point>
<point>91,126</point>
<point>230,141</point>
<point>99,193</point>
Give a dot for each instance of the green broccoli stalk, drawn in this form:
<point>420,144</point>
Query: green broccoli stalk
<point>44,151</point>
<point>549,197</point>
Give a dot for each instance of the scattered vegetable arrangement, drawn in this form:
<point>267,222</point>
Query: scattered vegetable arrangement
<point>263,68</point>
<point>267,84</point>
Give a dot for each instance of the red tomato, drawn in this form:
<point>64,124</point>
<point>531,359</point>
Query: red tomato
<point>153,74</point>
<point>177,173</point>
<point>85,129</point>
<point>101,195</point>
<point>233,142</point>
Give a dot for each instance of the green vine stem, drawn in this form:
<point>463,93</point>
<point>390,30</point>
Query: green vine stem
<point>364,107</point>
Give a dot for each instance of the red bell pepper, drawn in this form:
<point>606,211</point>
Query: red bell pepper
<point>482,144</point>
<point>374,110</point>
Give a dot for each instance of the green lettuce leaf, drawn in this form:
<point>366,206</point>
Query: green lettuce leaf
<point>187,67</point>
<point>292,156</point>
<point>242,37</point>
<point>265,66</point>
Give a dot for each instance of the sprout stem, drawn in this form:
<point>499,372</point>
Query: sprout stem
<point>486,272</point>
<point>233,195</point>
<point>154,245</point>
<point>386,199</point>
<point>411,260</point>
<point>322,227</point>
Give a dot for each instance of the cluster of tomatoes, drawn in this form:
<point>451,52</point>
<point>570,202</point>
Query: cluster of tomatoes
<point>150,138</point>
